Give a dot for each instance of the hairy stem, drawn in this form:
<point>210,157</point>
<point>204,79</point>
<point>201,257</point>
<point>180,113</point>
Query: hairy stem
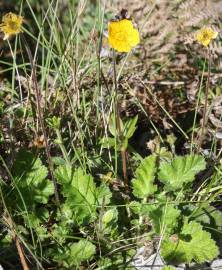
<point>205,118</point>
<point>118,127</point>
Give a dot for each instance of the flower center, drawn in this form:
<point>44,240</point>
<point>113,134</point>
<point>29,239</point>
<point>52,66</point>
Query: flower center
<point>206,36</point>
<point>13,25</point>
<point>121,36</point>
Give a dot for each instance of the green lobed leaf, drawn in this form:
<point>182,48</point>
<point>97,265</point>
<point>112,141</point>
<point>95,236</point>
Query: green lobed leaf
<point>80,190</point>
<point>77,181</point>
<point>42,191</point>
<point>162,215</point>
<point>180,171</point>
<point>136,207</point>
<point>64,224</point>
<point>73,254</point>
<point>143,185</point>
<point>81,251</point>
<point>108,222</point>
<point>28,169</point>
<point>109,215</point>
<point>64,175</point>
<point>193,243</point>
<point>30,177</point>
<point>206,215</point>
<point>58,161</point>
<point>209,216</point>
<point>103,194</point>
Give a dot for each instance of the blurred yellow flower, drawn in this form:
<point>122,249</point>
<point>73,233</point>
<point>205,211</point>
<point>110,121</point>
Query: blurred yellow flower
<point>122,35</point>
<point>205,35</point>
<point>11,24</point>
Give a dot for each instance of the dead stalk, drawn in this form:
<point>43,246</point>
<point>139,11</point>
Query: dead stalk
<point>9,223</point>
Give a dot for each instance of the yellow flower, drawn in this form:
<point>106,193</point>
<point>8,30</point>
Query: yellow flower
<point>122,35</point>
<point>205,35</point>
<point>11,24</point>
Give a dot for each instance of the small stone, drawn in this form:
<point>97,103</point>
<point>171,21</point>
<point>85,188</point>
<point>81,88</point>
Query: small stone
<point>181,267</point>
<point>154,262</point>
<point>216,264</point>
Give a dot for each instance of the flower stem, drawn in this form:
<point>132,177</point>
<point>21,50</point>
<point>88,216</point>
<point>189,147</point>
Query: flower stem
<point>205,118</point>
<point>118,127</point>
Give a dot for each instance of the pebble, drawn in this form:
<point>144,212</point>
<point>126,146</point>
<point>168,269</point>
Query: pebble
<point>155,262</point>
<point>216,264</point>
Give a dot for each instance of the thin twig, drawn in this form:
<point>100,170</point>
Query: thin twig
<point>40,116</point>
<point>119,132</point>
<point>9,222</point>
<point>21,254</point>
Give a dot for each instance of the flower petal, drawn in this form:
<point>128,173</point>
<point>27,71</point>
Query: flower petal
<point>125,25</point>
<point>122,47</point>
<point>215,34</point>
<point>134,37</point>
